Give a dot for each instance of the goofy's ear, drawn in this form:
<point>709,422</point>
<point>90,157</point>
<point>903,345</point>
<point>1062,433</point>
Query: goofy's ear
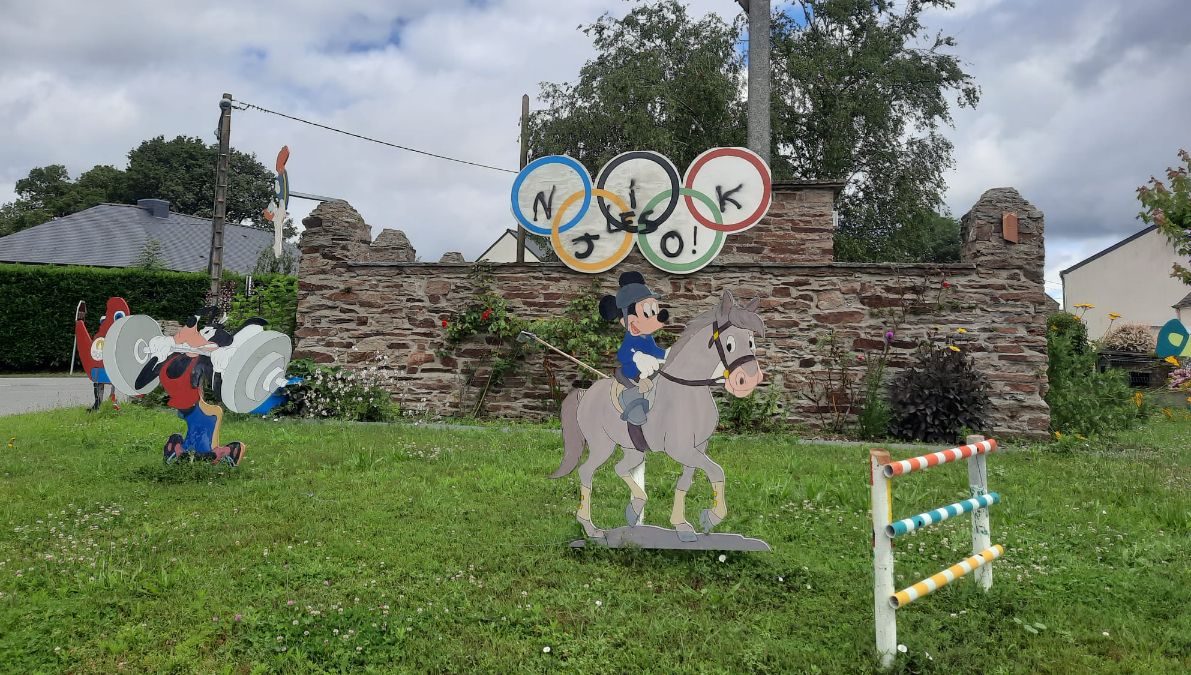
<point>752,306</point>
<point>727,302</point>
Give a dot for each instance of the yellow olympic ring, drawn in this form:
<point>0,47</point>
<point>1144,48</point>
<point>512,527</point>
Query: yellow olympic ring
<point>573,262</point>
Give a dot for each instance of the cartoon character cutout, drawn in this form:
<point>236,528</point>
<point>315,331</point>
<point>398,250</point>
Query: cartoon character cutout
<point>199,352</point>
<point>637,309</point>
<point>91,348</point>
<point>275,213</point>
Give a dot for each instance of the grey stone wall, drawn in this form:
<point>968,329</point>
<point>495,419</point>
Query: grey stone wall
<point>352,308</point>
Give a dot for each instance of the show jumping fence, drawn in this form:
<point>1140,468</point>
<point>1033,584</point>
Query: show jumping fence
<point>882,471</point>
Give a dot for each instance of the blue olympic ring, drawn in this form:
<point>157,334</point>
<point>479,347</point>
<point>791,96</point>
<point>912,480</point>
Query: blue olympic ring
<point>542,161</point>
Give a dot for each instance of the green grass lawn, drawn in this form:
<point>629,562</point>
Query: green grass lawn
<point>403,548</point>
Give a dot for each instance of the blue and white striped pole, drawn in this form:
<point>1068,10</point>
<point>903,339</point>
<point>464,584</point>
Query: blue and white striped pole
<point>940,514</point>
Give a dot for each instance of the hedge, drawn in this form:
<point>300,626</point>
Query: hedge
<point>37,304</point>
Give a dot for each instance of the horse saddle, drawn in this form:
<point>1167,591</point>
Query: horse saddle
<point>619,383</point>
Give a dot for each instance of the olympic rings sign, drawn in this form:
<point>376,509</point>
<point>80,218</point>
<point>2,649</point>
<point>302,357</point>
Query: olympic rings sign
<point>680,224</point>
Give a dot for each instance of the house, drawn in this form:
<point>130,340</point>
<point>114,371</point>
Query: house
<point>117,235</point>
<point>1131,278</point>
<point>504,250</point>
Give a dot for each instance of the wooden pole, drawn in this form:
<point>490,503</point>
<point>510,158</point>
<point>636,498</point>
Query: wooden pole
<point>222,168</point>
<point>885,616</point>
<point>981,534</point>
<point>524,161</point>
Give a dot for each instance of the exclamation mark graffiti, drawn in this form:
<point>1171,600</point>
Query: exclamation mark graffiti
<point>695,241</point>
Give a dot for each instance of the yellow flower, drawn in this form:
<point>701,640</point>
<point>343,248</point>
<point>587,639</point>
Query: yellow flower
<point>953,348</point>
<point>1113,316</point>
<point>1058,435</point>
<point>1169,413</point>
<point>1084,305</point>
<point>1138,398</point>
<point>1188,402</point>
<point>1172,361</point>
<point>961,330</point>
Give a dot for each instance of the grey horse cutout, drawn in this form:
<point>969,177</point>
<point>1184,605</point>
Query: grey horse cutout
<point>716,349</point>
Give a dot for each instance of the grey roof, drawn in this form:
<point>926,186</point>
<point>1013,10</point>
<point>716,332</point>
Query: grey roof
<point>1185,302</point>
<point>114,235</point>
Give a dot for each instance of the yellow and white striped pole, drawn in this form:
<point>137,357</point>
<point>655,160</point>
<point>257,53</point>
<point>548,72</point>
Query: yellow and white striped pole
<point>934,583</point>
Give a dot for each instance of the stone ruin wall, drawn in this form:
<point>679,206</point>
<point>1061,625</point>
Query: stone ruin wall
<point>359,299</point>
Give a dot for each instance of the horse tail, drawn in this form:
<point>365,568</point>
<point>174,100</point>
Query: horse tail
<point>572,435</point>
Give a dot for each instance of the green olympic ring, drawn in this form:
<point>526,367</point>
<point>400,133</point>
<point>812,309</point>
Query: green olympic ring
<point>683,268</point>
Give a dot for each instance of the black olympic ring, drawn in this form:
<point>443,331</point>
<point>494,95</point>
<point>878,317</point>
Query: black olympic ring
<point>645,225</point>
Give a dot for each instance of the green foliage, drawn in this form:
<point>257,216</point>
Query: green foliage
<point>1168,205</point>
<point>150,256</point>
<point>762,412</point>
<point>274,299</point>
<point>938,396</point>
<point>40,300</point>
<point>181,171</point>
<point>1070,327</point>
<point>1082,399</point>
<point>860,92</point>
<point>661,81</point>
<point>334,392</point>
<point>269,263</point>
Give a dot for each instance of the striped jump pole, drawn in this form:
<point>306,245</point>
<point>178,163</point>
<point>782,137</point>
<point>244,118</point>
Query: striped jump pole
<point>934,583</point>
<point>905,466</point>
<point>907,525</point>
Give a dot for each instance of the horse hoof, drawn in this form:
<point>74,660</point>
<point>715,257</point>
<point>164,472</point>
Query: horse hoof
<point>632,512</point>
<point>708,519</point>
<point>686,532</point>
<point>589,529</point>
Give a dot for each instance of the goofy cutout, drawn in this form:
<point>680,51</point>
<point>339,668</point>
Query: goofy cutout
<point>184,362</point>
<point>91,348</point>
<point>636,308</point>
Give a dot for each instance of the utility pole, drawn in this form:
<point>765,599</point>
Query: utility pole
<point>222,167</point>
<point>759,76</point>
<point>524,161</point>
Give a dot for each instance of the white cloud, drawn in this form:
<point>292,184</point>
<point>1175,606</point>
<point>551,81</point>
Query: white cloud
<point>1081,101</point>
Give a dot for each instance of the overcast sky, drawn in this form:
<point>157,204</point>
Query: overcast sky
<point>1082,100</point>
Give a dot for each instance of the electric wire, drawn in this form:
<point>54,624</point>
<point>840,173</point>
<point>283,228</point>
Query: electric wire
<point>244,105</point>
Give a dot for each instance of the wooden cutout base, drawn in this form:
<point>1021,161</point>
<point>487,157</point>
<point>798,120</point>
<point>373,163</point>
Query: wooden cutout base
<point>652,536</point>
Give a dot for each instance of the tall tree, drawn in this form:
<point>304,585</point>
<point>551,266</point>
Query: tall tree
<point>859,94</point>
<point>660,81</point>
<point>182,171</point>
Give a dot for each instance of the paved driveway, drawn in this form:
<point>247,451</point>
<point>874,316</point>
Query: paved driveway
<point>25,394</point>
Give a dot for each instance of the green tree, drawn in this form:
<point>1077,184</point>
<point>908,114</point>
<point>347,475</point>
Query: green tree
<point>48,192</point>
<point>859,93</point>
<point>1168,205</point>
<point>661,81</point>
<point>182,171</point>
<point>930,238</point>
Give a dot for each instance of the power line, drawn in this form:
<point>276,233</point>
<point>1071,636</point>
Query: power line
<point>248,106</point>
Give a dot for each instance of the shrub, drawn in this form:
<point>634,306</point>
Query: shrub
<point>274,298</point>
<point>1180,378</point>
<point>938,396</point>
<point>1130,337</point>
<point>336,392</point>
<point>762,412</point>
<point>1082,399</point>
<point>40,300</point>
<point>1070,326</point>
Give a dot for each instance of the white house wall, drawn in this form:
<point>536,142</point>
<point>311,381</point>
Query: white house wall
<point>505,251</point>
<point>1133,281</point>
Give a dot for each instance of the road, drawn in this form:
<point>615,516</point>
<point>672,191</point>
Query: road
<point>25,394</point>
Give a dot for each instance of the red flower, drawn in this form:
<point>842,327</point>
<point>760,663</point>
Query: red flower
<point>487,313</point>
<point>946,284</point>
<point>444,323</point>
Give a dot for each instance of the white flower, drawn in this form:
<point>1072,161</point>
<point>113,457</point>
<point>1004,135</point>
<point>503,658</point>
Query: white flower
<point>901,648</point>
<point>546,649</point>
<point>723,558</point>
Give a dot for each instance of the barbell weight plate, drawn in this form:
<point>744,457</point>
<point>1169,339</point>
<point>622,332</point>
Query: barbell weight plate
<point>126,351</point>
<point>249,377</point>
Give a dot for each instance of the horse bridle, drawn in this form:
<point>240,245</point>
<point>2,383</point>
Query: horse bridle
<point>719,347</point>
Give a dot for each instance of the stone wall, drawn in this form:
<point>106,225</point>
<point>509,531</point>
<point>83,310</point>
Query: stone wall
<point>353,307</point>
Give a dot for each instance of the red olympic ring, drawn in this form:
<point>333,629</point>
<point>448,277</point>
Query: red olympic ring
<point>766,183</point>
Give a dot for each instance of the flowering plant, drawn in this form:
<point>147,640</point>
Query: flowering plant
<point>336,392</point>
<point>1180,378</point>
